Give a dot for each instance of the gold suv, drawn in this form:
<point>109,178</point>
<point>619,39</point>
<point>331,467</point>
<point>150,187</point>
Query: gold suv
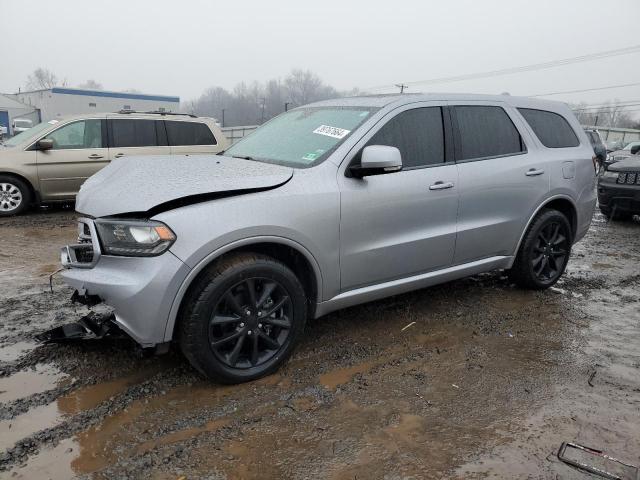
<point>50,161</point>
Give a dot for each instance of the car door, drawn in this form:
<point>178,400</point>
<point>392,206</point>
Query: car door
<point>79,150</point>
<point>190,136</point>
<point>502,179</point>
<point>400,224</point>
<point>136,136</point>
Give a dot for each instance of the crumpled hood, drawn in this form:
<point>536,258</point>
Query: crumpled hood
<point>142,183</point>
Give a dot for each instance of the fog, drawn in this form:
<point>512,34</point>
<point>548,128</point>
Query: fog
<point>182,48</point>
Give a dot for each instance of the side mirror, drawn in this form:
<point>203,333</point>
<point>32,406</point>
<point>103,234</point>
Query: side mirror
<point>635,149</point>
<point>45,144</point>
<point>377,160</point>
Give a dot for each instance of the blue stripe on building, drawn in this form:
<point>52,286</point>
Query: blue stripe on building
<point>129,96</point>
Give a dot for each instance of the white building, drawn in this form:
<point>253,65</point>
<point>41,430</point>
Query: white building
<point>58,101</point>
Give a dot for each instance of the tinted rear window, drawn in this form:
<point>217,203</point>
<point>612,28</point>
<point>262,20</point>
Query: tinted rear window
<point>552,129</point>
<point>486,131</point>
<point>133,133</point>
<point>189,133</point>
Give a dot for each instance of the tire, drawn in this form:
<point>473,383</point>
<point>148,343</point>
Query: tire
<point>539,262</point>
<point>15,196</point>
<point>220,310</point>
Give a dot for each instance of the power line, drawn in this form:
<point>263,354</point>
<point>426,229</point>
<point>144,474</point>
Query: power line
<point>524,68</point>
<point>629,103</point>
<point>586,90</point>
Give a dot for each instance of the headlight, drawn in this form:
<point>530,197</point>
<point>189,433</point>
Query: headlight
<point>608,174</point>
<point>133,238</point>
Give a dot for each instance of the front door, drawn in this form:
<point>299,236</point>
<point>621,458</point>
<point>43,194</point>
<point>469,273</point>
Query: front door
<point>79,150</point>
<point>400,224</point>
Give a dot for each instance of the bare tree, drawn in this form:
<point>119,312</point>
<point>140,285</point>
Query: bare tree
<point>302,86</point>
<point>91,85</point>
<point>41,79</point>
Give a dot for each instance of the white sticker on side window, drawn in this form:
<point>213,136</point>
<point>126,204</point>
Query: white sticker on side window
<point>333,132</point>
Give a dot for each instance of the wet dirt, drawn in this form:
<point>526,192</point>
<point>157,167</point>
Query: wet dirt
<point>472,379</point>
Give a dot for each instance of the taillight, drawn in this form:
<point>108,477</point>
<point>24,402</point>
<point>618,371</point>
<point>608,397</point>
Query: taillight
<point>596,164</point>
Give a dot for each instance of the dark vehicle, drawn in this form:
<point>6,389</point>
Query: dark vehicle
<point>619,189</point>
<point>598,145</point>
<point>616,155</point>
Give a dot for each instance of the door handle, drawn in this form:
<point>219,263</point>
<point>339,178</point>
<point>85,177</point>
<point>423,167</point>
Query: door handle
<point>533,172</point>
<point>118,155</point>
<point>95,156</point>
<point>440,185</point>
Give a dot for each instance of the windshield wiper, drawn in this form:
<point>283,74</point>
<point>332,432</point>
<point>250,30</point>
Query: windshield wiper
<point>245,157</point>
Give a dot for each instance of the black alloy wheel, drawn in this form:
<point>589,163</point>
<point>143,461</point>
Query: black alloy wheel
<point>551,251</point>
<point>544,251</point>
<point>251,323</point>
<point>242,318</point>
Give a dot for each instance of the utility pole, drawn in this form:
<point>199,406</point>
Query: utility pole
<point>286,106</point>
<point>401,86</point>
<point>223,117</point>
<point>262,116</point>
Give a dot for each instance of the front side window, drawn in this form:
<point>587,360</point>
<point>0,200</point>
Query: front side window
<point>189,133</point>
<point>417,133</point>
<point>133,133</point>
<point>550,128</point>
<point>83,134</point>
<point>485,131</point>
<point>302,137</point>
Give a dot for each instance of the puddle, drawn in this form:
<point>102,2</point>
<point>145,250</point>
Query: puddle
<point>182,435</point>
<point>11,353</point>
<point>334,378</point>
<point>36,419</point>
<point>28,382</point>
<point>91,396</point>
<point>52,464</point>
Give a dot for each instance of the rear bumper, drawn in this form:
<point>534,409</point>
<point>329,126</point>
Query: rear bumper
<point>141,291</point>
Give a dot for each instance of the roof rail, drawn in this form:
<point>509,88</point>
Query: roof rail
<point>158,112</point>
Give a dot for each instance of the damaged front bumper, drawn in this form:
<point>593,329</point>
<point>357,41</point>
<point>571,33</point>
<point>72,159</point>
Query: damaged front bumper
<point>141,290</point>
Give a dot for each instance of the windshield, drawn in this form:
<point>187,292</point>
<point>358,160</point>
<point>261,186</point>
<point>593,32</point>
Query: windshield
<point>630,145</point>
<point>302,137</point>
<point>28,134</point>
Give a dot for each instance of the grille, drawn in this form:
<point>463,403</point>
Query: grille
<point>629,178</point>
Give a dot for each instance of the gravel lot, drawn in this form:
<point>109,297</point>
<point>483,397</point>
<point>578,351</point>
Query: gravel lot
<point>488,381</point>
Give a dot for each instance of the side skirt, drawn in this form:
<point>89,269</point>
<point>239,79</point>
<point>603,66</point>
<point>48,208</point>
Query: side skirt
<point>402,285</point>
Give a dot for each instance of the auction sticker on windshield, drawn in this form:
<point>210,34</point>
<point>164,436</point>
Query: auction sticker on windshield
<point>333,132</point>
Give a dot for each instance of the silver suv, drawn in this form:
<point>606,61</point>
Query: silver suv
<point>329,205</point>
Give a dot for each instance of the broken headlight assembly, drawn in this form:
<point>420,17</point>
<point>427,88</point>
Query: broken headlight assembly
<point>133,238</point>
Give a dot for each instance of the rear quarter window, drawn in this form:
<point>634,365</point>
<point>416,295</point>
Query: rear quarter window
<point>189,133</point>
<point>552,129</point>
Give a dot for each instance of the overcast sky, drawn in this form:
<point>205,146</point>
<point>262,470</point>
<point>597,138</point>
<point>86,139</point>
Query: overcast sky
<point>182,47</point>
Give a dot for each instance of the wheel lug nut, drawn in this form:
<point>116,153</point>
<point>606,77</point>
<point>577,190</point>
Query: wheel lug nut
<point>249,332</point>
<point>241,324</point>
<point>247,312</point>
<point>259,325</point>
<point>259,314</point>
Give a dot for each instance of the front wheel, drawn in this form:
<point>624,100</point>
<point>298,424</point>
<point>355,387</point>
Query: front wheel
<point>544,252</point>
<point>15,196</point>
<point>243,318</point>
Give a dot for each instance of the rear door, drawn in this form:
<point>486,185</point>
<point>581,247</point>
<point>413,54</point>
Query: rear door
<point>136,136</point>
<point>502,179</point>
<point>79,150</point>
<point>401,224</point>
<point>191,137</point>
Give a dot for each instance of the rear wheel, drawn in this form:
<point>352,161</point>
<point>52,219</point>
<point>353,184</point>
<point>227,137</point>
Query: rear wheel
<point>243,318</point>
<point>15,196</point>
<point>544,251</point>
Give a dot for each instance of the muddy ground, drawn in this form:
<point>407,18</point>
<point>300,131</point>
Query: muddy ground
<point>488,381</point>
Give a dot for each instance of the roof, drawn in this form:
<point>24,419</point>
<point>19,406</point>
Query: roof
<point>6,102</point>
<point>107,93</point>
<point>401,99</point>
